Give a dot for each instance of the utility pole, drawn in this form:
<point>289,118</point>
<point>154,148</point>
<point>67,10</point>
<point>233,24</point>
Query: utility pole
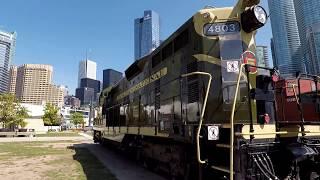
<point>90,113</point>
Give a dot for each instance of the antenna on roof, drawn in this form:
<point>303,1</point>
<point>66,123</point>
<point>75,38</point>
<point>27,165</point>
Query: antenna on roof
<point>87,52</point>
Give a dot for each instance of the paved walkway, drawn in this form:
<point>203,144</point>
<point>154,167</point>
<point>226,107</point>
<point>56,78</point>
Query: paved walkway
<point>32,139</point>
<point>86,135</point>
<point>120,166</point>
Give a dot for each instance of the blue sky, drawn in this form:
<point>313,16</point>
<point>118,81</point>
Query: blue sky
<point>58,32</point>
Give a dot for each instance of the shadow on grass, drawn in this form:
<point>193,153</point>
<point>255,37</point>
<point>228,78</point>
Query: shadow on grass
<point>92,167</point>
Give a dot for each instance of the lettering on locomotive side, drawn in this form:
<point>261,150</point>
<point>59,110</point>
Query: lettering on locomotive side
<point>143,83</point>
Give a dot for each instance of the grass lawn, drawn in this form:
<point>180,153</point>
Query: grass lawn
<point>50,160</point>
<point>59,134</point>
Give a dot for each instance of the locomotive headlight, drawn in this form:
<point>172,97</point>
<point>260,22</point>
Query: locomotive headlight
<point>253,18</point>
<point>260,14</point>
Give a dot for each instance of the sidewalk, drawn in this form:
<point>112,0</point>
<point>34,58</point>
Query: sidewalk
<point>86,135</point>
<point>34,139</point>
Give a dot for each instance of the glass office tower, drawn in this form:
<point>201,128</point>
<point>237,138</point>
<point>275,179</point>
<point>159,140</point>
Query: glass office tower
<point>7,50</point>
<point>111,77</point>
<point>286,40</point>
<point>308,16</point>
<point>146,34</point>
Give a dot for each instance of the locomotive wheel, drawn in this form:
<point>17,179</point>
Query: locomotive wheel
<point>310,175</point>
<point>149,163</point>
<point>314,176</point>
<point>308,171</point>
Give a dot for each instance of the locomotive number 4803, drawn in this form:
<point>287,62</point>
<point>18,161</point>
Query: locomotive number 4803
<point>221,28</point>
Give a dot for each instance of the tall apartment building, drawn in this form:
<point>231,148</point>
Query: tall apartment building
<point>146,34</point>
<point>65,89</point>
<point>34,85</point>
<point>308,16</point>
<point>111,77</point>
<point>262,56</point>
<point>286,40</point>
<point>87,69</point>
<point>7,48</point>
<point>56,95</point>
<point>12,79</point>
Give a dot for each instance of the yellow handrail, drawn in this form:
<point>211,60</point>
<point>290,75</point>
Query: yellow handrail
<point>203,111</point>
<point>232,121</point>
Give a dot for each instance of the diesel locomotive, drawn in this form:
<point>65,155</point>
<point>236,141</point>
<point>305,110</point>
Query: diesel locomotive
<point>198,107</point>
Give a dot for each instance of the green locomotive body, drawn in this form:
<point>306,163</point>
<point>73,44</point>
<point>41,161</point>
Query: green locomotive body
<point>166,113</point>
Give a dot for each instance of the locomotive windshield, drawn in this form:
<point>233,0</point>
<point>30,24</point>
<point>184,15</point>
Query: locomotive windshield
<point>230,46</point>
<point>230,52</point>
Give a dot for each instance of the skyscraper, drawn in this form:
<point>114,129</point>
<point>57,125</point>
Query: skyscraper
<point>110,77</point>
<point>85,94</point>
<point>91,83</point>
<point>308,16</point>
<point>7,49</point>
<point>274,57</point>
<point>286,41</point>
<point>146,34</point>
<point>262,56</point>
<point>313,45</point>
<point>87,69</point>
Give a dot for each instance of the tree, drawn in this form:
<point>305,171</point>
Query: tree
<point>21,114</point>
<point>77,118</point>
<point>12,114</point>
<point>51,116</point>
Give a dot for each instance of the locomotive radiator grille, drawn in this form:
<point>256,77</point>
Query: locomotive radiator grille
<point>193,85</point>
